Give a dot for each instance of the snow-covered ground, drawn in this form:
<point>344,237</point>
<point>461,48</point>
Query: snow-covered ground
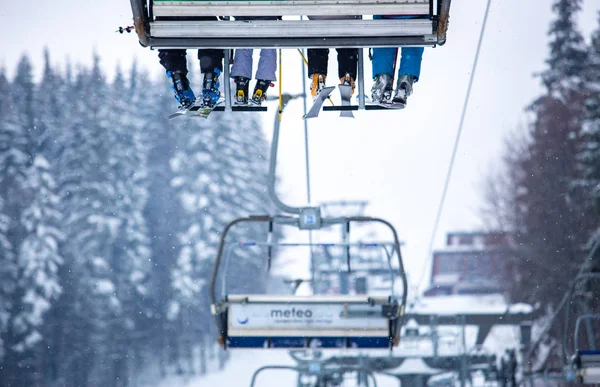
<point>241,367</point>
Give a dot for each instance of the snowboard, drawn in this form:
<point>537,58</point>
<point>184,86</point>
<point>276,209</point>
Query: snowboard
<point>318,103</point>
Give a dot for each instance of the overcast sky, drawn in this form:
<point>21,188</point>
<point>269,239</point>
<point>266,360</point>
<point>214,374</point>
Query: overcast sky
<point>396,160</point>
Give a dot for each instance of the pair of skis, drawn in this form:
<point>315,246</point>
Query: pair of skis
<point>346,96</point>
<point>199,109</point>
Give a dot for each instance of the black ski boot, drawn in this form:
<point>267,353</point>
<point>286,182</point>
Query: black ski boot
<point>181,86</point>
<point>242,85</point>
<point>260,91</point>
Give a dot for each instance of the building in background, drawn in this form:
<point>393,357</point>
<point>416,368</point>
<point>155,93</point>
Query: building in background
<point>470,263</point>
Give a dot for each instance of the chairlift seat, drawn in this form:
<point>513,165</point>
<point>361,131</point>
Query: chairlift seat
<point>182,24</point>
<point>287,321</point>
<point>587,365</point>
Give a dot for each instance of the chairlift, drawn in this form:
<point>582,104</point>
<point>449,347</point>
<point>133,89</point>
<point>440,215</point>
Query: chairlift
<point>292,321</point>
<point>584,363</point>
<point>183,24</point>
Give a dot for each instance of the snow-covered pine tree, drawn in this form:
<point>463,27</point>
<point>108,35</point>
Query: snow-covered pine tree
<point>551,224</point>
<point>85,179</point>
<point>568,52</point>
<point>220,173</point>
<point>130,255</point>
<point>8,268</point>
<point>162,212</point>
<point>16,194</point>
<point>590,156</point>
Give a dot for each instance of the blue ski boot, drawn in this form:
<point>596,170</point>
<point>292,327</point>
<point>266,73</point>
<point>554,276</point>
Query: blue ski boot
<point>210,88</point>
<point>181,86</point>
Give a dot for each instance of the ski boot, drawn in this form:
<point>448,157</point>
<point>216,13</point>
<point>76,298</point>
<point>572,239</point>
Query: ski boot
<point>403,89</point>
<point>381,92</point>
<point>210,88</point>
<point>260,91</point>
<point>348,80</point>
<point>181,86</point>
<point>318,83</point>
<point>241,94</point>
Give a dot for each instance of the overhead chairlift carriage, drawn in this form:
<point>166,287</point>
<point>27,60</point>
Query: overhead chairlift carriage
<point>584,364</point>
<point>316,321</point>
<point>193,24</point>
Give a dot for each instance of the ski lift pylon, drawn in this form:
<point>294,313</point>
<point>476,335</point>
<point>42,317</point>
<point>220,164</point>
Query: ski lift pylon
<point>183,24</point>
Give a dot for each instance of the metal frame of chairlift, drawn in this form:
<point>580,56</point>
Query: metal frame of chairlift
<point>584,365</point>
<point>308,218</point>
<point>179,24</point>
<point>311,370</point>
<point>270,246</point>
<point>167,24</point>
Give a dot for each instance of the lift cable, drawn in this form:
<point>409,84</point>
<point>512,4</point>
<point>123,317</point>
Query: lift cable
<point>455,149</point>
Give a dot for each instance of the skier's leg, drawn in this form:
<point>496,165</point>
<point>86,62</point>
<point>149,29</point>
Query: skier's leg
<point>384,60</point>
<point>318,60</point>
<point>211,65</point>
<point>242,63</point>
<point>241,72</point>
<point>410,63</point>
<point>210,60</point>
<point>175,62</point>
<point>408,73</point>
<point>265,74</point>
<point>267,64</point>
<point>347,65</point>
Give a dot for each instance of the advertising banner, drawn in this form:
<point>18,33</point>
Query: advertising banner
<point>306,316</point>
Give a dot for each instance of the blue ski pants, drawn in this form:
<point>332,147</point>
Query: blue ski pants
<point>384,59</point>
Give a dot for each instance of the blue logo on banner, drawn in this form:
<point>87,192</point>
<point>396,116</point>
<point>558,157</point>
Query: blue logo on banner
<point>244,321</point>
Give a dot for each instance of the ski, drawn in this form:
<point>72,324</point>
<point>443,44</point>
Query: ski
<point>346,95</point>
<point>318,104</point>
<point>389,105</point>
<point>198,108</point>
<point>182,111</point>
<point>393,105</point>
<point>204,110</point>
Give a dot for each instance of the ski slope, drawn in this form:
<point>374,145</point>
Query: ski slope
<point>241,367</point>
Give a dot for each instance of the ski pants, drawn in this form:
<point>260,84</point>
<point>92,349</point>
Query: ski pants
<point>384,60</point>
<point>318,58</point>
<point>267,64</point>
<point>175,60</point>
